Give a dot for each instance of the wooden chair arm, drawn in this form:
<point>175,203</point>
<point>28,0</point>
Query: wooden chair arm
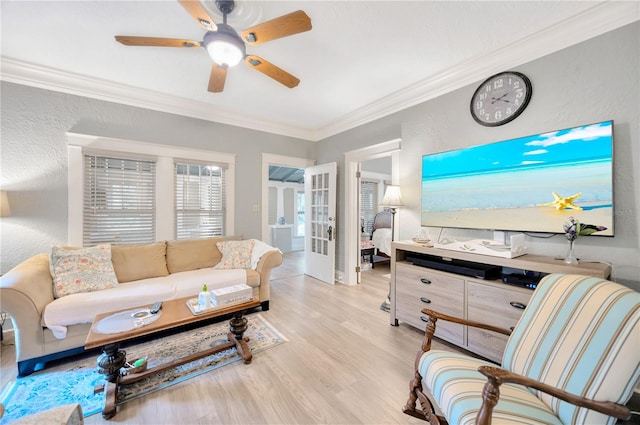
<point>497,376</point>
<point>466,322</point>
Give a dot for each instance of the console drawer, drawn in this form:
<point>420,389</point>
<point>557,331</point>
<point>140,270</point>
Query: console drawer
<point>497,305</point>
<point>418,288</point>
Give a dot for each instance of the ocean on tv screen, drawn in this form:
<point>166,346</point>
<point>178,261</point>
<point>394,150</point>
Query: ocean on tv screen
<point>533,183</point>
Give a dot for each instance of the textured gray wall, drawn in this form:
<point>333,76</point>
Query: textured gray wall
<point>593,81</point>
<point>380,165</point>
<point>34,159</point>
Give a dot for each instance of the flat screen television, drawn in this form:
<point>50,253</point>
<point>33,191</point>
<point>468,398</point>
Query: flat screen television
<point>529,184</point>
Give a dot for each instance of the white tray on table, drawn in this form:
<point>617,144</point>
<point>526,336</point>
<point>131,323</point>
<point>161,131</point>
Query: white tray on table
<point>195,309</point>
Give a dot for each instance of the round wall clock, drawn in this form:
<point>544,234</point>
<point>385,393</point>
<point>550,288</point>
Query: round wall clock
<point>500,98</point>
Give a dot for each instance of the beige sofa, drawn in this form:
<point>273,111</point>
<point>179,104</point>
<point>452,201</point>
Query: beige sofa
<point>145,273</point>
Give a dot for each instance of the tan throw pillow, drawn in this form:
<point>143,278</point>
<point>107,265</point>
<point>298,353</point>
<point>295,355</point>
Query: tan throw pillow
<point>81,270</point>
<point>192,254</point>
<point>135,262</point>
<point>235,254</point>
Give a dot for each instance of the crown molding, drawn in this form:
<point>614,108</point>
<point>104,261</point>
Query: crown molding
<point>599,19</point>
<point>29,74</point>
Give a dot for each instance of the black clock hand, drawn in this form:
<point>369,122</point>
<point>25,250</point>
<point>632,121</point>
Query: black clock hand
<point>495,99</point>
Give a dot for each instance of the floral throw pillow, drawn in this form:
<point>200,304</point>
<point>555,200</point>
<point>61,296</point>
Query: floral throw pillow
<point>235,254</point>
<point>81,270</point>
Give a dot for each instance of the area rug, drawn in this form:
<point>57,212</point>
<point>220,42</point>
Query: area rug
<point>73,381</point>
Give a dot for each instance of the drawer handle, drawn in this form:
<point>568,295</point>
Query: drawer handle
<point>424,318</point>
<point>425,281</point>
<point>425,300</point>
<point>516,304</point>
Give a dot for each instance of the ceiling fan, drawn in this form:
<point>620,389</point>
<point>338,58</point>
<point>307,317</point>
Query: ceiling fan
<point>226,47</point>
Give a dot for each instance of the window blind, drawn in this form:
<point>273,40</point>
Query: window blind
<point>200,200</point>
<point>368,204</point>
<point>119,201</point>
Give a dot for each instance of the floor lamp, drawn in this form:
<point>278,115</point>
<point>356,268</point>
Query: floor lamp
<point>393,200</point>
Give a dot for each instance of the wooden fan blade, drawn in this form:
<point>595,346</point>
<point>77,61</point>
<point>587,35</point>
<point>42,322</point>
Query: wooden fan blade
<point>286,25</point>
<point>270,70</point>
<point>197,12</point>
<point>129,40</point>
<point>217,78</point>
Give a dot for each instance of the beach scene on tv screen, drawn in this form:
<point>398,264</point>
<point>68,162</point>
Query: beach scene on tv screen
<point>533,183</point>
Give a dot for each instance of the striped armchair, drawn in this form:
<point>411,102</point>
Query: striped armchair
<point>573,358</point>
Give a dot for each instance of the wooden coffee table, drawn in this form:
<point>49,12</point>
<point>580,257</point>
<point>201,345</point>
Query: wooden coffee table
<point>175,313</point>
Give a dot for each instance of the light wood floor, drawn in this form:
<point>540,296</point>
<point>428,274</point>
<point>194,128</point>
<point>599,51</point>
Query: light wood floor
<point>343,364</point>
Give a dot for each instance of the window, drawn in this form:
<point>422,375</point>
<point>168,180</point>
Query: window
<point>200,200</point>
<point>368,205</point>
<point>140,204</point>
<point>119,201</point>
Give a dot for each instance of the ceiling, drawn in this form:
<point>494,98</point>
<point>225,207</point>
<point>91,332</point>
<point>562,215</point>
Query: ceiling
<point>361,61</point>
<point>286,174</point>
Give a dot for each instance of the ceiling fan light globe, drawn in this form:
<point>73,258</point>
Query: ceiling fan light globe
<point>224,46</point>
<point>224,53</point>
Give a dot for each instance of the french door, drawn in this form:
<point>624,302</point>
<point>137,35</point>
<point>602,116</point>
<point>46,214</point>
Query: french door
<point>320,221</point>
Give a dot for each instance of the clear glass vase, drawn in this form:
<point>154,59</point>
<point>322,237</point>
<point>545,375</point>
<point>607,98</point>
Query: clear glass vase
<point>571,258</point>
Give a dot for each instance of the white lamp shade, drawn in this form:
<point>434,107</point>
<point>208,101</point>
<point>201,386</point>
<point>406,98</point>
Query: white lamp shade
<point>224,46</point>
<point>224,53</point>
<point>392,197</point>
<point>4,204</point>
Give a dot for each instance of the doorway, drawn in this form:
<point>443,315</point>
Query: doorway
<point>353,160</point>
<point>375,176</point>
<point>286,208</point>
<point>279,201</point>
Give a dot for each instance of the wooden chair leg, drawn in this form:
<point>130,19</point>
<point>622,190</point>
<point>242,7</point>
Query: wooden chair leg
<point>427,411</point>
<point>410,406</point>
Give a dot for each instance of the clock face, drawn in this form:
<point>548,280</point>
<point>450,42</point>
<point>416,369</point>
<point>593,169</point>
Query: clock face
<point>500,98</point>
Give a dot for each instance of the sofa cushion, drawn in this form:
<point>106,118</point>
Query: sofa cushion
<point>83,307</point>
<point>135,262</point>
<point>235,254</point>
<point>192,254</point>
<point>81,269</point>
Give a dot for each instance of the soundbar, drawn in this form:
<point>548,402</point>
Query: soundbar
<point>451,265</point>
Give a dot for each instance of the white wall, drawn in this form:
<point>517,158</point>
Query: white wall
<point>590,82</point>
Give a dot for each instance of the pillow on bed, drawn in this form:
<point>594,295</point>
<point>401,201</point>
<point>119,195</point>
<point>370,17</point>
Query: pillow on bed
<point>81,269</point>
<point>235,254</point>
<point>382,240</point>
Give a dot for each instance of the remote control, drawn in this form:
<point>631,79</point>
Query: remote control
<point>156,307</point>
